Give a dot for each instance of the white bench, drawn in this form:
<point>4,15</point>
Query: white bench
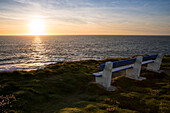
<point>132,70</point>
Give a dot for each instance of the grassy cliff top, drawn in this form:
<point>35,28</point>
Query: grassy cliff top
<point>69,87</point>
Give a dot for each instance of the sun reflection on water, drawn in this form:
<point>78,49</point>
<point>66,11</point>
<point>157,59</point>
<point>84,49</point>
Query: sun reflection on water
<point>37,55</point>
<point>37,40</point>
<point>37,45</point>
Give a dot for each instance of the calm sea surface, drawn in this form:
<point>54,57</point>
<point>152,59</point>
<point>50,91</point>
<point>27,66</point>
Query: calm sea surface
<point>33,52</point>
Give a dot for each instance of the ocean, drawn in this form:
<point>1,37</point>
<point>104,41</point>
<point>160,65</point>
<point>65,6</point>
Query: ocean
<point>35,52</point>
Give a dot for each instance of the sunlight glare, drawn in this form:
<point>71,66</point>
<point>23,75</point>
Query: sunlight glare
<point>37,27</point>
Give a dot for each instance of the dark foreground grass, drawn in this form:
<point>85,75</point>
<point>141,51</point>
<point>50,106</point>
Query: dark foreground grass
<point>69,87</point>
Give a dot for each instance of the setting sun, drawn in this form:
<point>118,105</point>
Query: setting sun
<point>37,27</point>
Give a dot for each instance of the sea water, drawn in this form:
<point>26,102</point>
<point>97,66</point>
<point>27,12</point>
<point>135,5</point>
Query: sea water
<point>35,52</point>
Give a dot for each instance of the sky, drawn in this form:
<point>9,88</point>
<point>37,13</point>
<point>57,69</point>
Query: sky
<point>85,17</point>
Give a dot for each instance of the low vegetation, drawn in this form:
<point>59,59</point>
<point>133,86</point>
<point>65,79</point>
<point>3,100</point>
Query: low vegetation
<point>69,87</point>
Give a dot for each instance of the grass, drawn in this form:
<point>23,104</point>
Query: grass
<point>69,87</point>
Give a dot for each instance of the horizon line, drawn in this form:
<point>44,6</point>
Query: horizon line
<point>79,35</point>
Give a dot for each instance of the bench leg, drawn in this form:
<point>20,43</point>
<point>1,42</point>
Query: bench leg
<point>155,66</point>
<point>105,80</point>
<point>134,73</point>
<point>99,80</point>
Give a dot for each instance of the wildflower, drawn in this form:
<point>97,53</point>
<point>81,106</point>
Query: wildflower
<point>116,107</point>
<point>110,109</point>
<point>117,102</point>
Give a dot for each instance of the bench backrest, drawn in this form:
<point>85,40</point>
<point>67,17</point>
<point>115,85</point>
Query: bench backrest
<point>150,57</point>
<point>128,61</point>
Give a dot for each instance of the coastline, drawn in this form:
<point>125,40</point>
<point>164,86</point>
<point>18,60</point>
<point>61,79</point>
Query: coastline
<point>69,87</point>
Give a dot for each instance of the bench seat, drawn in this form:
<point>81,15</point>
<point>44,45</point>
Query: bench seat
<point>99,74</point>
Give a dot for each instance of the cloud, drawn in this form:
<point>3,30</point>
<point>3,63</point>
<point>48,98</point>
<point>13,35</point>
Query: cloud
<point>101,13</point>
<point>20,1</point>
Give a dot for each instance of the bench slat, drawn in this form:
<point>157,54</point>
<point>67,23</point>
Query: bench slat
<point>99,74</point>
<point>150,57</point>
<point>128,61</point>
<point>119,63</point>
<point>123,62</point>
<point>147,62</point>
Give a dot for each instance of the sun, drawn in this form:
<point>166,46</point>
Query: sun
<point>37,26</point>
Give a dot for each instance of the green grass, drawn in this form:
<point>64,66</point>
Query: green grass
<point>69,87</point>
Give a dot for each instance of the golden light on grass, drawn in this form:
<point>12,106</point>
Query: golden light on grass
<point>37,26</point>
